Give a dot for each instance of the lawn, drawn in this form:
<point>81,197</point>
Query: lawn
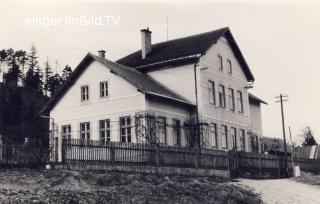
<point>60,186</point>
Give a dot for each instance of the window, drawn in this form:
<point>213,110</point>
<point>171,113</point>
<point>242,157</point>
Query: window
<point>162,127</point>
<point>212,93</point>
<point>66,132</point>
<point>233,132</point>
<point>85,132</point>
<point>224,135</point>
<point>231,99</point>
<point>229,66</point>
<point>242,140</point>
<point>220,62</point>
<point>104,129</point>
<point>240,101</point>
<point>176,132</point>
<point>85,93</point>
<point>103,89</point>
<point>213,134</point>
<point>222,96</point>
<point>125,129</point>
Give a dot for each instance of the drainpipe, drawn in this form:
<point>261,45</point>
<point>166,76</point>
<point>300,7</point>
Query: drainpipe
<point>197,105</point>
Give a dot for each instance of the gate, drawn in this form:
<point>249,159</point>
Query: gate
<point>233,163</point>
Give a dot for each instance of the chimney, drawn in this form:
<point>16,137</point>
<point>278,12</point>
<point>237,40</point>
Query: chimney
<point>102,53</point>
<point>145,42</point>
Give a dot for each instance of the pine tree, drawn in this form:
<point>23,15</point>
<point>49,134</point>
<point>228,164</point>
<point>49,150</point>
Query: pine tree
<point>309,139</point>
<point>47,75</point>
<point>54,83</point>
<point>34,74</point>
<point>12,77</point>
<point>66,72</point>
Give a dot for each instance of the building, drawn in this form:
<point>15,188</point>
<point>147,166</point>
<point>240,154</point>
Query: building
<point>187,91</point>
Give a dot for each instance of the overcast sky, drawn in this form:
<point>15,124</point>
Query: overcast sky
<point>280,42</point>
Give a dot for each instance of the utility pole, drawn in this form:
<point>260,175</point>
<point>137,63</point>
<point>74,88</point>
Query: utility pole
<point>283,98</point>
<point>291,150</point>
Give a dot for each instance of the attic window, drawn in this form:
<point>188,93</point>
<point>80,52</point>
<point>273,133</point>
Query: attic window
<point>104,89</point>
<point>229,66</point>
<point>85,93</point>
<point>220,62</point>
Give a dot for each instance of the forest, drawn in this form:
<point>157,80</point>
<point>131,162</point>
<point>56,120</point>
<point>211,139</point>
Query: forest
<point>25,86</point>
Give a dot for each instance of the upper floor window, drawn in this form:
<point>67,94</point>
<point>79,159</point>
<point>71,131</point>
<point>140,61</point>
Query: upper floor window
<point>220,62</point>
<point>224,136</point>
<point>104,89</point>
<point>125,129</point>
<point>242,139</point>
<point>85,93</point>
<point>240,101</point>
<point>212,92</point>
<point>213,134</point>
<point>222,96</point>
<point>104,128</point>
<point>231,99</point>
<point>229,66</point>
<point>85,131</point>
<point>66,132</point>
<point>176,132</point>
<point>233,132</point>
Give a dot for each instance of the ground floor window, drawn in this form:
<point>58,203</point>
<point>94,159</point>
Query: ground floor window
<point>162,130</point>
<point>213,134</point>
<point>224,136</point>
<point>233,132</point>
<point>125,129</point>
<point>104,129</point>
<point>176,132</point>
<point>242,140</point>
<point>85,131</point>
<point>66,132</point>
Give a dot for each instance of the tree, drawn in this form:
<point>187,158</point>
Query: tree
<point>34,74</point>
<point>66,72</point>
<point>13,75</point>
<point>54,83</point>
<point>308,137</point>
<point>47,76</point>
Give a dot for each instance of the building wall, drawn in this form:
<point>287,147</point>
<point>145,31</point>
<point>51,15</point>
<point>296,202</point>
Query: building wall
<point>209,70</point>
<point>123,100</point>
<point>256,121</point>
<point>170,111</point>
<point>179,79</point>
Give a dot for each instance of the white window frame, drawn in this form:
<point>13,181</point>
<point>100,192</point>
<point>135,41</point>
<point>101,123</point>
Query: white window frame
<point>84,90</point>
<point>66,132</point>
<point>125,129</point>
<point>224,136</point>
<point>242,139</point>
<point>233,134</point>
<point>211,92</point>
<point>214,135</point>
<point>240,101</point>
<point>104,131</point>
<point>85,133</point>
<point>222,96</point>
<point>231,99</point>
<point>104,89</point>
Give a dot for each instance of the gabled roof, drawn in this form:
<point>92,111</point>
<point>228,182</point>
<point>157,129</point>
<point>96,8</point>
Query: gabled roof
<point>141,81</point>
<point>254,99</point>
<point>184,49</point>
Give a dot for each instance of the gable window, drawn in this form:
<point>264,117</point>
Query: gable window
<point>104,89</point>
<point>212,92</point>
<point>240,101</point>
<point>229,66</point>
<point>220,62</point>
<point>222,96</point>
<point>66,132</point>
<point>242,139</point>
<point>162,129</point>
<point>224,136</point>
<point>213,134</point>
<point>85,93</point>
<point>176,132</point>
<point>125,129</point>
<point>231,99</point>
<point>85,132</point>
<point>233,132</point>
<point>104,129</point>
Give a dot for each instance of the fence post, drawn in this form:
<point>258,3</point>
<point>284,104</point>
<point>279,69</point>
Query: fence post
<point>259,165</point>
<point>63,150</point>
<point>157,155</point>
<point>56,149</point>
<point>112,153</point>
<point>196,155</point>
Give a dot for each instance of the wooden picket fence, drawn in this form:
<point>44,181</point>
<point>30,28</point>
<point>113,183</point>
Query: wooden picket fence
<point>23,155</point>
<point>139,154</point>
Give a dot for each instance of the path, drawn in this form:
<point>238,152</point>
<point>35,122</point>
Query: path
<point>283,191</point>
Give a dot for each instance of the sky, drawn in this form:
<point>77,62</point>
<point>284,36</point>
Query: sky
<point>279,40</point>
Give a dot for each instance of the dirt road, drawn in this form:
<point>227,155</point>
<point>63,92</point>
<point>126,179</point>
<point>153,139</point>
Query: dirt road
<point>284,191</point>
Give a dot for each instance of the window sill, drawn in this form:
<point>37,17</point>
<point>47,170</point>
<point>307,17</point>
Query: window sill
<point>83,103</point>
